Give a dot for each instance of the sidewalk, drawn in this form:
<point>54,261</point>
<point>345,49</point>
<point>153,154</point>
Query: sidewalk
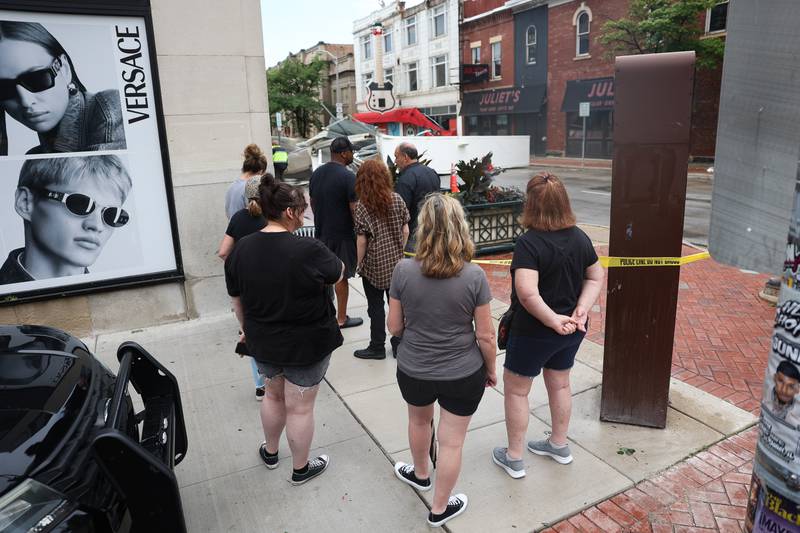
<point>722,337</point>
<point>361,423</point>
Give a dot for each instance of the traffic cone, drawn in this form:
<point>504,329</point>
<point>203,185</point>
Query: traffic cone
<point>453,180</point>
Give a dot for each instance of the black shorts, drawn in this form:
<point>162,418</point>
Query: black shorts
<point>345,250</point>
<point>526,356</point>
<point>458,396</point>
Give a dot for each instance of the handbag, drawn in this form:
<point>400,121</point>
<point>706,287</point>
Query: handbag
<point>504,327</point>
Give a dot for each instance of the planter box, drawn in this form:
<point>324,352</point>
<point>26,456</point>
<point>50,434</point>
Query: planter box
<point>495,227</point>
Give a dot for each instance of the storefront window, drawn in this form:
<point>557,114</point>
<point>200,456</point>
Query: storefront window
<point>599,134</point>
<point>501,125</point>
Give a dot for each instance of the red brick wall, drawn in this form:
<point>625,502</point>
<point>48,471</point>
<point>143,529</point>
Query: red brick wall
<point>705,112</point>
<point>482,30</point>
<point>562,64</point>
<point>476,7</point>
<point>564,67</point>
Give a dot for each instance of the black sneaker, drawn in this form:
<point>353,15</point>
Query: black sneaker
<point>455,506</point>
<point>406,474</point>
<point>271,461</point>
<point>259,393</point>
<point>371,353</point>
<point>313,468</point>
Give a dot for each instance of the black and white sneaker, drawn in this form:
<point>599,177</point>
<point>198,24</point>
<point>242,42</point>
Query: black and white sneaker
<point>313,468</point>
<point>271,461</point>
<point>455,506</point>
<point>405,473</point>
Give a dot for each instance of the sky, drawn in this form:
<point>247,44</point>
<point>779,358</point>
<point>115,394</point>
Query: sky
<point>290,25</point>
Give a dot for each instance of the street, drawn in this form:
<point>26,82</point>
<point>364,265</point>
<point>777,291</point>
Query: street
<point>590,194</point>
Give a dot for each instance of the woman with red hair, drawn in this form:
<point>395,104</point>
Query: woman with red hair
<point>381,223</point>
<point>555,280</point>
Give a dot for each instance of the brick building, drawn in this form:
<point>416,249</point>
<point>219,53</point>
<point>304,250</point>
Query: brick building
<point>338,80</point>
<point>544,59</point>
<point>512,100</point>
<point>580,71</point>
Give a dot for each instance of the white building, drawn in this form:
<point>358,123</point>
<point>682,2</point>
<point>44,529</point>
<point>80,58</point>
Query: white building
<point>420,56</point>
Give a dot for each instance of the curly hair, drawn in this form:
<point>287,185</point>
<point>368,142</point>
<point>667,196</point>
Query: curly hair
<point>374,187</point>
<point>443,241</point>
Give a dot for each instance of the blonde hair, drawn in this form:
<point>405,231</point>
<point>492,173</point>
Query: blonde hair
<point>443,241</point>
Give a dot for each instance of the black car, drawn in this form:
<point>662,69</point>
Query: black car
<point>74,454</point>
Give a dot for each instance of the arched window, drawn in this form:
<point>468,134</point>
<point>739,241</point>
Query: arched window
<point>582,34</point>
<point>530,45</point>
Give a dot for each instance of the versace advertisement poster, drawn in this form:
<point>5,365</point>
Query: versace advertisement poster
<point>83,186</point>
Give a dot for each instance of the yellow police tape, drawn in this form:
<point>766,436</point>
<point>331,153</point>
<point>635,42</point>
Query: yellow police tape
<point>618,262</point>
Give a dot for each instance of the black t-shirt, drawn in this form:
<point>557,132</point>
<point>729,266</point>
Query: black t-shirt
<point>332,189</point>
<point>242,223</point>
<point>414,183</point>
<point>289,319</point>
<point>561,258</point>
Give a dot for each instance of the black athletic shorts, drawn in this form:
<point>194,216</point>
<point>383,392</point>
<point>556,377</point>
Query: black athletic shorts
<point>345,250</point>
<point>458,396</point>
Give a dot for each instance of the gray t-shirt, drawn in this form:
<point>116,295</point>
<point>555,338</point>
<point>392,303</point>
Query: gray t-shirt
<point>234,198</point>
<point>439,338</point>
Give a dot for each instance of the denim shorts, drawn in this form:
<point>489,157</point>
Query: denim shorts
<point>302,376</point>
<point>526,356</point>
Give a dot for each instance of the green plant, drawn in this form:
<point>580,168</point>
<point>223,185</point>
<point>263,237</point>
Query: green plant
<point>656,26</point>
<point>477,176</point>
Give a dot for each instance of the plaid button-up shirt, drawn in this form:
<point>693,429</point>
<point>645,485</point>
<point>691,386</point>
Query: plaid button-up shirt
<point>384,241</point>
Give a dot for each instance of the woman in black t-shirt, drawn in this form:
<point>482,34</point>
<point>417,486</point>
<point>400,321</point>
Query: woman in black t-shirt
<point>556,279</point>
<point>243,223</point>
<point>277,282</point>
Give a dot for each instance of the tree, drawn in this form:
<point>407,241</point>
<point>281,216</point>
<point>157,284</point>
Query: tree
<point>655,26</point>
<point>294,90</point>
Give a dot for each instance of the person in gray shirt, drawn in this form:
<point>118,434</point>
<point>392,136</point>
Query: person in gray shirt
<point>439,304</point>
<point>415,182</point>
<point>255,164</point>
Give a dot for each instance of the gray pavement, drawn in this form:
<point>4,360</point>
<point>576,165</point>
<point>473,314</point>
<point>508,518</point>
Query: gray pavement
<point>361,423</point>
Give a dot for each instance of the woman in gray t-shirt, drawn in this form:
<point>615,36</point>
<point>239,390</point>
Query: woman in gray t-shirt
<point>439,304</point>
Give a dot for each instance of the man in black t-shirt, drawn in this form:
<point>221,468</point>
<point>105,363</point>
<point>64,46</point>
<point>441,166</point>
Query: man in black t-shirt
<point>333,198</point>
<point>415,182</point>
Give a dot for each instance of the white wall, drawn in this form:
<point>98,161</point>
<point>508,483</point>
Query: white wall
<point>509,151</point>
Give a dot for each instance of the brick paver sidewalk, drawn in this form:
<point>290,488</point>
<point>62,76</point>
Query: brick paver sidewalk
<point>722,339</point>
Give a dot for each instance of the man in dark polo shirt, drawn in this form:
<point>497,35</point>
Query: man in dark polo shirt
<point>333,199</point>
<point>414,183</point>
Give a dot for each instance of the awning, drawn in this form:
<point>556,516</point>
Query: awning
<point>598,91</point>
<point>512,100</point>
<point>409,115</point>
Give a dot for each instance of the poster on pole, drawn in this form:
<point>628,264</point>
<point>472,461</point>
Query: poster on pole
<point>85,193</point>
<point>774,504</point>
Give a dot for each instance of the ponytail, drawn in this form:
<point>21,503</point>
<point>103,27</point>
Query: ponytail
<point>277,196</point>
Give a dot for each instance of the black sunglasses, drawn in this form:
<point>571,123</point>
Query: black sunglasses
<point>35,81</point>
<point>82,205</point>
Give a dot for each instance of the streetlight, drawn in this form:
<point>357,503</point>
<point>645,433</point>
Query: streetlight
<point>338,88</point>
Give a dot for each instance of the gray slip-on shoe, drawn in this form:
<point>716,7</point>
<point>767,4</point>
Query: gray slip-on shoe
<point>544,447</point>
<point>515,469</point>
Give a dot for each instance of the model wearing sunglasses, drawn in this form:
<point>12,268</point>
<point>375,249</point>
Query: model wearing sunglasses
<point>34,81</point>
<point>83,205</point>
<point>65,231</point>
<point>40,89</point>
